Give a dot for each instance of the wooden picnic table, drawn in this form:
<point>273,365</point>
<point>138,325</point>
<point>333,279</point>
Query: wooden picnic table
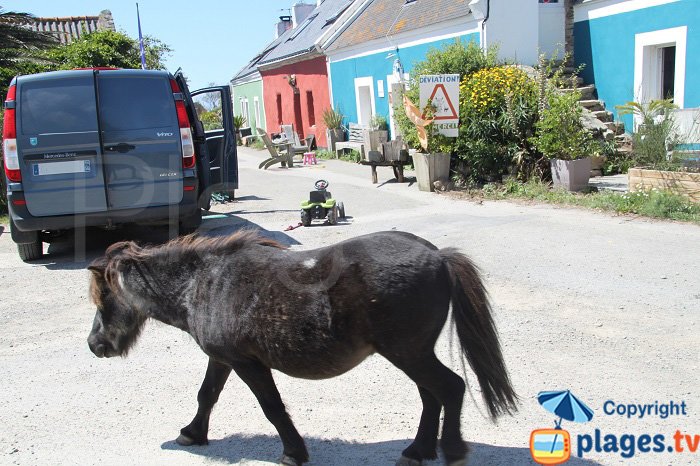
<point>396,165</point>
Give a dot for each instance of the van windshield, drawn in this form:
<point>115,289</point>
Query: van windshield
<point>58,106</point>
<point>129,103</point>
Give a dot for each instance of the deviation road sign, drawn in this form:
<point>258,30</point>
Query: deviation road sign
<point>443,91</point>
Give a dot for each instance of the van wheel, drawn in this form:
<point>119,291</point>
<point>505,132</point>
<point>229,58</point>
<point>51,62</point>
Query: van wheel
<point>31,251</point>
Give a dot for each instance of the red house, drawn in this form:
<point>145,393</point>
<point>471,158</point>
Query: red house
<point>295,74</point>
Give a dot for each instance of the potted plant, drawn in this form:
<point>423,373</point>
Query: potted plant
<point>561,137</point>
<point>239,121</point>
<point>333,119</point>
<point>431,162</point>
<point>379,132</point>
<point>658,164</point>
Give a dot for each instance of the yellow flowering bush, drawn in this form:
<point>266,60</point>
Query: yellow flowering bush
<point>486,90</point>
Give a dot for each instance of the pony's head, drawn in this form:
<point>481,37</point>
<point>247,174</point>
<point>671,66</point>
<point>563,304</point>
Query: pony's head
<point>117,322</point>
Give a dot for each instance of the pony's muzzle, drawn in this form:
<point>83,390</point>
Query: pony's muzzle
<point>98,349</point>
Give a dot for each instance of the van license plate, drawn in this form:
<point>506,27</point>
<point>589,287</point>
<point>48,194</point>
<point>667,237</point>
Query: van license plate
<point>60,168</point>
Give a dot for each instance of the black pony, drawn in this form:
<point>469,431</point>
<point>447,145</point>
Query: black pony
<point>253,306</point>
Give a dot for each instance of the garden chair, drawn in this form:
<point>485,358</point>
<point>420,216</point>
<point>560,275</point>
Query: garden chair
<point>279,153</point>
<point>298,147</point>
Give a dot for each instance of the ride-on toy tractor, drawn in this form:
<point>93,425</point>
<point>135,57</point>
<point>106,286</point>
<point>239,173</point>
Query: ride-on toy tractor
<point>321,205</point>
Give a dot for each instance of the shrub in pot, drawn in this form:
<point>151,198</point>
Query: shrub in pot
<point>561,137</point>
<point>333,119</point>
<point>379,132</point>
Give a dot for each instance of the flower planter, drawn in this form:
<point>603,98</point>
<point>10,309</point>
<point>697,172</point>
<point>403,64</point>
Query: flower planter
<point>682,183</point>
<point>333,136</point>
<point>572,175</point>
<point>430,168</point>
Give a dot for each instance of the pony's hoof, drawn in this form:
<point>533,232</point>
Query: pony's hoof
<point>404,461</point>
<point>289,461</point>
<point>186,441</point>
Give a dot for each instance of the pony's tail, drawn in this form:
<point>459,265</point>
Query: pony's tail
<point>471,315</point>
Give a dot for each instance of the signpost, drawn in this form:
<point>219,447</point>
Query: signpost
<point>443,91</point>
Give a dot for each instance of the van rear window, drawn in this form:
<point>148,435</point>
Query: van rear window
<point>58,106</point>
<point>128,103</point>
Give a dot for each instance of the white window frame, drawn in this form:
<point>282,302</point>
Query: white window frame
<point>647,63</point>
<point>256,108</point>
<point>245,109</point>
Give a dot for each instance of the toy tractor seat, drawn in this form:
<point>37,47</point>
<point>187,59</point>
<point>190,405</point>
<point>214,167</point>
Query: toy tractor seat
<point>319,196</point>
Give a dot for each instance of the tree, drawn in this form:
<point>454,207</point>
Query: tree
<point>17,42</point>
<point>19,48</point>
<point>108,48</point>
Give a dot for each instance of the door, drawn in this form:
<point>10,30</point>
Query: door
<point>140,139</point>
<point>210,111</point>
<point>59,145</point>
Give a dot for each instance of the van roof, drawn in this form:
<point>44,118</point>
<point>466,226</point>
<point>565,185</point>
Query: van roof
<point>69,73</point>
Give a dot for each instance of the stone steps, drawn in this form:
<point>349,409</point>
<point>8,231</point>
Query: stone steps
<point>593,105</point>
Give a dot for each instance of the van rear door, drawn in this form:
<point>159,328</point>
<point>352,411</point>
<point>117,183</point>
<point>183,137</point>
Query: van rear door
<point>214,135</point>
<point>140,139</point>
<point>58,144</point>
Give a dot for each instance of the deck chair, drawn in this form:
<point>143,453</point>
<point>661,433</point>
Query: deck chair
<point>279,153</point>
<point>298,147</point>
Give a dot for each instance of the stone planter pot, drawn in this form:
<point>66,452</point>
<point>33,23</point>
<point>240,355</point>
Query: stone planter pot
<point>572,175</point>
<point>333,136</point>
<point>430,168</point>
<point>682,183</point>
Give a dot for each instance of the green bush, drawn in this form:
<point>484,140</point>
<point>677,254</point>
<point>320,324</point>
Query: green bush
<point>560,134</point>
<point>656,134</point>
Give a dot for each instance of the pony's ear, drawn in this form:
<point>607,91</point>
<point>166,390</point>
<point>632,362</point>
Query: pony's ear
<point>98,266</point>
<point>118,249</point>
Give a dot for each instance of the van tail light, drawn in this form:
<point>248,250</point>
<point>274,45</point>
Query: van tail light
<point>188,155</point>
<point>9,139</point>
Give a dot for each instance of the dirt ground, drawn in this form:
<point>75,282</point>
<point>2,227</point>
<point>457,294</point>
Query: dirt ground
<point>605,306</point>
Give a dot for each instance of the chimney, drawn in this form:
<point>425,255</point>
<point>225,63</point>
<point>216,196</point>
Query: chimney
<point>301,11</point>
<point>284,24</point>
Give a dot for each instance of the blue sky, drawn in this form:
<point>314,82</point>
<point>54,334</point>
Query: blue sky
<point>211,40</point>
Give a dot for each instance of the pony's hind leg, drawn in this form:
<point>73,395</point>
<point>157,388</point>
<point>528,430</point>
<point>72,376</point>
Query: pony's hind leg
<point>424,447</point>
<point>259,380</point>
<point>447,388</point>
<point>214,380</point>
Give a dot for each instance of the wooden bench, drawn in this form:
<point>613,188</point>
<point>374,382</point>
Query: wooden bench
<point>358,137</point>
<point>390,154</point>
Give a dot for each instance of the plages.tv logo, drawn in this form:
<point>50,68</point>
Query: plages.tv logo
<point>553,446</point>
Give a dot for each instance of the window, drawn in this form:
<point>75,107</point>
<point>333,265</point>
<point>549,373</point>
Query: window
<point>310,108</point>
<point>668,71</point>
<point>61,106</point>
<point>128,103</point>
<point>245,113</point>
<point>256,106</point>
<point>279,109</point>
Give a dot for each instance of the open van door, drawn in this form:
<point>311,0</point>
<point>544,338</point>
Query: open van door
<point>211,111</point>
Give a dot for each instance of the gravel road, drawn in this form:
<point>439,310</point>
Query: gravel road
<point>605,306</point>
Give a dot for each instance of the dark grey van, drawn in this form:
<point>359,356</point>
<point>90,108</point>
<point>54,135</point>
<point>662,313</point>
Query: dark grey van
<point>102,147</point>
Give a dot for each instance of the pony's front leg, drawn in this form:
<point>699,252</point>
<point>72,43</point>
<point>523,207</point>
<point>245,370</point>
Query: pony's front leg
<point>215,379</point>
<point>259,379</point>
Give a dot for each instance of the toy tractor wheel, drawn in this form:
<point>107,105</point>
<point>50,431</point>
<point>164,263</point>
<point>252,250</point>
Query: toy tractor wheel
<point>341,210</point>
<point>333,215</point>
<point>305,218</point>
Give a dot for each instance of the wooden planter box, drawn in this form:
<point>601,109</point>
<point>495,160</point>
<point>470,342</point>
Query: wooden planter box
<point>683,183</point>
<point>430,168</point>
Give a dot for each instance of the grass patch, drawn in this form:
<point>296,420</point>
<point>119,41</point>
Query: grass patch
<point>4,219</point>
<point>257,144</point>
<point>655,203</point>
<point>352,156</point>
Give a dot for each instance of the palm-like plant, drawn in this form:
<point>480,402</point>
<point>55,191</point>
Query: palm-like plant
<point>17,41</point>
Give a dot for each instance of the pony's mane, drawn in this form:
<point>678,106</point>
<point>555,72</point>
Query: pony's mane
<point>105,268</point>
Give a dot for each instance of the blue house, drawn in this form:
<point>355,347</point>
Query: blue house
<point>378,47</point>
<point>640,50</point>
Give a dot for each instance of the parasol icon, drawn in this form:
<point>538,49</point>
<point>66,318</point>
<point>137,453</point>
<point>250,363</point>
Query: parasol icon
<point>565,405</point>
